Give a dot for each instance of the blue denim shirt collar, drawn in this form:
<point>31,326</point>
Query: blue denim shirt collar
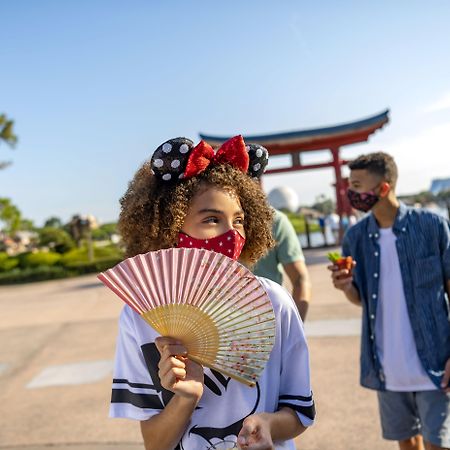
<point>399,224</point>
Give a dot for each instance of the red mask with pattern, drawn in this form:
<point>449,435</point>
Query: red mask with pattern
<point>229,244</point>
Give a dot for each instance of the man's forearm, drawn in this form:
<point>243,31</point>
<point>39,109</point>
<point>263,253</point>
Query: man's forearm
<point>164,430</point>
<point>301,285</point>
<point>301,294</point>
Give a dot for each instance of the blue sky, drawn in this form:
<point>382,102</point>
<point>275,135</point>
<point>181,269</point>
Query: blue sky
<point>95,86</point>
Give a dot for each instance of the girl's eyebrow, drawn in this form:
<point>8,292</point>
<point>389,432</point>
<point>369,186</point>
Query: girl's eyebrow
<point>217,211</point>
<point>210,210</point>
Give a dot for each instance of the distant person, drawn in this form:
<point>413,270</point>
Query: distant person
<point>401,279</point>
<point>288,256</point>
<point>345,222</point>
<point>321,221</point>
<point>333,223</point>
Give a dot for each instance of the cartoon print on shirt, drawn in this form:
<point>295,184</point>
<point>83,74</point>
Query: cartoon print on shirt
<point>206,430</point>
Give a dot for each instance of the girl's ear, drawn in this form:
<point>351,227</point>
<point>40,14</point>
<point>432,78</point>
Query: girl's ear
<point>170,158</point>
<point>258,159</point>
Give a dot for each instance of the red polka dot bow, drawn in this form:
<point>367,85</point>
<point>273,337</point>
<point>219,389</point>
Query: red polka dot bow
<point>231,152</point>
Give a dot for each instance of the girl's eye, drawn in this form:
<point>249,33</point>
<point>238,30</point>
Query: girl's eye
<point>239,221</point>
<point>211,220</point>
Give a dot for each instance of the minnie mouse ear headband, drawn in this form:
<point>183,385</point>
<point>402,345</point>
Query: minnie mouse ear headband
<point>177,158</point>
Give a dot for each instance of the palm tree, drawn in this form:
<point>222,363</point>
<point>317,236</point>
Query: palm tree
<point>6,135</point>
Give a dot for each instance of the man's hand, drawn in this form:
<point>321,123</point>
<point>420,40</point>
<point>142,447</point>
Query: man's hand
<point>342,278</point>
<point>446,377</point>
<point>255,434</point>
<point>177,373</point>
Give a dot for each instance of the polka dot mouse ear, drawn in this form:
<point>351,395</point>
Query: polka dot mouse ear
<point>259,157</point>
<point>170,159</point>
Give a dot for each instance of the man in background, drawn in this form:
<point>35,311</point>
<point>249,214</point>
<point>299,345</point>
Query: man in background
<point>401,279</point>
<point>287,256</point>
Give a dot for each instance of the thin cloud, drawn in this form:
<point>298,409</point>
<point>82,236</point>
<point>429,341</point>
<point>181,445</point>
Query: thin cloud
<point>422,157</point>
<point>439,105</point>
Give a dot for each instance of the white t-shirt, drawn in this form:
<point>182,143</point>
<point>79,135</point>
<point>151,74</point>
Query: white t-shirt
<point>394,338</point>
<point>285,381</point>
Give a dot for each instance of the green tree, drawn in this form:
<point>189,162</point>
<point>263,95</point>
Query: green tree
<point>53,222</point>
<point>104,232</point>
<point>56,238</point>
<point>10,216</point>
<point>423,197</point>
<point>444,197</point>
<point>6,135</point>
<point>323,204</point>
<point>80,227</point>
<point>26,225</point>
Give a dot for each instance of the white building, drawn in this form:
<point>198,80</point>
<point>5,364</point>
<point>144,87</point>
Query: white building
<point>284,198</point>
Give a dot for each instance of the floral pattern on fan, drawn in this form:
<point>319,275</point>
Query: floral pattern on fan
<point>211,303</point>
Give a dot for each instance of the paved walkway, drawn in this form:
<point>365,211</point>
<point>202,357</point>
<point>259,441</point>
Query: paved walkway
<point>57,350</point>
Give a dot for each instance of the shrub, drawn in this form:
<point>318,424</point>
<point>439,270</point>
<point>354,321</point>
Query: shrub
<point>40,259</point>
<point>109,251</point>
<point>41,273</point>
<point>80,255</point>
<point>298,222</point>
<point>32,271</point>
<point>100,265</point>
<point>7,263</point>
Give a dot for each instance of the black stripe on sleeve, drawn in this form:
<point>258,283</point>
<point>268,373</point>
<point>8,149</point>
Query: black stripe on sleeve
<point>296,397</point>
<point>307,411</point>
<point>134,385</point>
<point>138,400</point>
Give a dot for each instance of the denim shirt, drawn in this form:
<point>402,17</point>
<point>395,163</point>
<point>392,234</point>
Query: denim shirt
<point>423,247</point>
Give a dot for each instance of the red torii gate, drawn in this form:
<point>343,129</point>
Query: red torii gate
<point>329,138</point>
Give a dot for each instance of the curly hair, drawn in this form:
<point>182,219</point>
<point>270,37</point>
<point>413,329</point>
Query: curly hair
<point>153,212</point>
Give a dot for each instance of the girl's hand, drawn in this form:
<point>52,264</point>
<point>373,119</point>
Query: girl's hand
<point>255,434</point>
<point>177,373</point>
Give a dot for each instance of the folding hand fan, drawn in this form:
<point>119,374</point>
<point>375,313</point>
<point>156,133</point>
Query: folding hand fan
<point>215,306</point>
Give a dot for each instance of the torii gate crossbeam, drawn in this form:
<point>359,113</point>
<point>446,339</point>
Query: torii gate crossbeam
<point>319,139</point>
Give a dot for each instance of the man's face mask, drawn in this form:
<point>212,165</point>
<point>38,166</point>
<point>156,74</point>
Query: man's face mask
<point>363,201</point>
<point>229,244</point>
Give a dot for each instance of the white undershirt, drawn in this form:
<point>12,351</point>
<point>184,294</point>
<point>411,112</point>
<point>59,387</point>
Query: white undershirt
<point>393,334</point>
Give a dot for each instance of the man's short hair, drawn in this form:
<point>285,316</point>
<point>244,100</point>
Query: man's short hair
<point>378,163</point>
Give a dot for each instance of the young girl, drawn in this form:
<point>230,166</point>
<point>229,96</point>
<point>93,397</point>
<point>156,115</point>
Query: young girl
<point>191,196</point>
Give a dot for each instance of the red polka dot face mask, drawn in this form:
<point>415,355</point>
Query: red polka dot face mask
<point>229,244</point>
